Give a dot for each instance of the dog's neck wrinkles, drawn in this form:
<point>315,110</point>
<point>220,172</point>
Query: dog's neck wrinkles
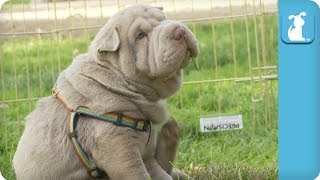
<point>132,84</point>
<point>105,90</point>
<point>142,89</point>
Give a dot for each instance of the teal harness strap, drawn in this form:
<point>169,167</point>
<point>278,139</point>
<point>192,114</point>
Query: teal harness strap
<point>115,118</point>
<point>92,170</point>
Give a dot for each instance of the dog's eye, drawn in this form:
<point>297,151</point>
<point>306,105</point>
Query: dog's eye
<point>141,35</point>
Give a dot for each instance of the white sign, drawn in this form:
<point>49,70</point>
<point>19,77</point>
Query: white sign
<point>220,123</point>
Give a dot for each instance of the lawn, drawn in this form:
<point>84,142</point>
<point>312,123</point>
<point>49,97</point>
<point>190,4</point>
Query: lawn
<point>30,66</point>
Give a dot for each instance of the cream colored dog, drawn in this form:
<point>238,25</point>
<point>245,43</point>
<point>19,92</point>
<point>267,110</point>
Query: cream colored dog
<point>134,63</point>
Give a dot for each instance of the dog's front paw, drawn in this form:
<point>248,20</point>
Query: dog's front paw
<point>170,133</point>
<point>179,175</point>
<point>162,177</point>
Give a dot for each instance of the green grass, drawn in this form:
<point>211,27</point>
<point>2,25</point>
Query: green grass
<point>29,68</point>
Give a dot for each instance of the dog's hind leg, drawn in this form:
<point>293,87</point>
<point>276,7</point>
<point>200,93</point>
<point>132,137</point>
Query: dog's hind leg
<point>166,149</point>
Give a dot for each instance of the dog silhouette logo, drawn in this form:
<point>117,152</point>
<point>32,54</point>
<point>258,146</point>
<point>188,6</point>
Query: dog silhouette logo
<point>298,27</point>
<point>295,30</point>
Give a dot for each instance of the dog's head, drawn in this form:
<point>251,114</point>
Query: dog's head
<point>146,47</point>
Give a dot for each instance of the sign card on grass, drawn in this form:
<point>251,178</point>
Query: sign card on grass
<point>220,123</point>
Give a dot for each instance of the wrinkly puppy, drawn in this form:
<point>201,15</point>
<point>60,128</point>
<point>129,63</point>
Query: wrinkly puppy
<point>134,63</point>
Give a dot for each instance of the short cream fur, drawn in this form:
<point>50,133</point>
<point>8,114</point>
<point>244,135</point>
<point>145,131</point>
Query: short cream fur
<point>133,64</point>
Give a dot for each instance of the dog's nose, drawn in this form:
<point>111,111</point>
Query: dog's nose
<point>179,33</point>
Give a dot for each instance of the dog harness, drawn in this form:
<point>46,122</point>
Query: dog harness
<point>115,118</point>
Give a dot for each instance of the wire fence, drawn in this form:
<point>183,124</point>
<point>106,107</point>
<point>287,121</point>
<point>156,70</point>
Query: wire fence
<point>238,60</point>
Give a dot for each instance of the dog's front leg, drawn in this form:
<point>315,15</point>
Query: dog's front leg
<point>167,145</point>
<point>166,149</point>
<point>123,165</point>
<point>155,170</point>
<point>119,155</point>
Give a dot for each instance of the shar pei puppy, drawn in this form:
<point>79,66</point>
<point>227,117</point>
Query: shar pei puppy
<point>133,64</point>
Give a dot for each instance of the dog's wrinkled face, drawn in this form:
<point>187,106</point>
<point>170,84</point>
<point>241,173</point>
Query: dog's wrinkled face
<point>170,47</point>
<point>147,45</point>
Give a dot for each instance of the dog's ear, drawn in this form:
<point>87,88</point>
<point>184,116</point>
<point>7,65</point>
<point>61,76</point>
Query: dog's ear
<point>291,16</point>
<point>303,14</point>
<point>109,42</point>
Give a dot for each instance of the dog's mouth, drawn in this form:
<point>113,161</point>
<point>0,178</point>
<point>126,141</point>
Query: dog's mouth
<point>177,71</point>
<point>186,61</point>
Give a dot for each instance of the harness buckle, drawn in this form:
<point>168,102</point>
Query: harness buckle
<point>136,124</point>
<point>97,173</point>
<point>119,118</point>
<point>145,125</point>
<point>54,92</point>
<point>92,170</point>
<point>73,134</point>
